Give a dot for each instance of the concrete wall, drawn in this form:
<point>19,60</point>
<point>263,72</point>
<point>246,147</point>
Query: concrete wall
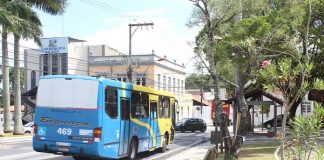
<point>31,63</point>
<point>185,107</point>
<point>78,59</point>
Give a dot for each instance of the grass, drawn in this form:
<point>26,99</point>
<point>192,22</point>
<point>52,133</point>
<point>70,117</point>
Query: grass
<point>258,151</point>
<point>263,151</point>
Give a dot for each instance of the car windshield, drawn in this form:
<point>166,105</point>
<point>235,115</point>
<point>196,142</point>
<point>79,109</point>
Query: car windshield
<point>29,124</point>
<point>183,120</point>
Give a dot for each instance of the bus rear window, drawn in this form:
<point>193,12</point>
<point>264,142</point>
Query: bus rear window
<point>67,93</point>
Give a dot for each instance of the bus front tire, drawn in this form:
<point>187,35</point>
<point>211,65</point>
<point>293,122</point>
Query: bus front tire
<point>132,150</point>
<point>164,144</point>
<point>81,158</point>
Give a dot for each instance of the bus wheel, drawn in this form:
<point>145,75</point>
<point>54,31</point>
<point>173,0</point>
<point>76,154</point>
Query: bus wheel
<point>164,144</point>
<point>81,158</point>
<point>132,150</point>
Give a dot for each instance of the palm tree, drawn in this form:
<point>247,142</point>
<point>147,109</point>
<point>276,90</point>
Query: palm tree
<point>28,27</point>
<point>52,7</point>
<point>5,64</point>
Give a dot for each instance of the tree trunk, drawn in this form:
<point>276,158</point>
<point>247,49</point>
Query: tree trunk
<point>286,109</point>
<point>1,128</point>
<point>5,83</point>
<point>292,111</point>
<point>18,127</point>
<point>243,109</point>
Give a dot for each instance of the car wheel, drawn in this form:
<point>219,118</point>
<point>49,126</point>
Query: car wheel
<point>268,126</point>
<point>203,129</point>
<point>192,130</point>
<point>182,129</point>
<point>27,132</point>
<point>132,151</point>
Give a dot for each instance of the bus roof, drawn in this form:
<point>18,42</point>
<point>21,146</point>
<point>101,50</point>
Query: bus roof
<point>113,83</point>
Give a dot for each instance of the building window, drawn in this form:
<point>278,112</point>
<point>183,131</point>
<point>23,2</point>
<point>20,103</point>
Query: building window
<point>33,79</point>
<point>138,81</point>
<point>164,83</point>
<point>181,86</point>
<point>143,81</point>
<point>64,69</point>
<point>178,86</point>
<point>45,64</point>
<point>306,108</point>
<point>169,84</point>
<point>54,64</point>
<point>158,80</point>
<point>111,102</point>
<point>174,85</point>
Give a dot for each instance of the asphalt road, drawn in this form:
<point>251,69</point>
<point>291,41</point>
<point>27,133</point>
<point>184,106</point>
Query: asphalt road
<point>21,149</point>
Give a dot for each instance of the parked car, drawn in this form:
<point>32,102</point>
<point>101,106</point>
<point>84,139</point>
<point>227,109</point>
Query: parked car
<point>29,128</point>
<point>191,124</point>
<point>270,123</point>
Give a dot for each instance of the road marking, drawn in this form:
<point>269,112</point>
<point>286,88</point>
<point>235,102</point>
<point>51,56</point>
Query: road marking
<point>32,155</point>
<point>175,150</point>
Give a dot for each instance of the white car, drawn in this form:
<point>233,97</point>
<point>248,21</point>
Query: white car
<point>29,128</point>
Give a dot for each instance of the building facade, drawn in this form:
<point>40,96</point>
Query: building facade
<point>148,70</point>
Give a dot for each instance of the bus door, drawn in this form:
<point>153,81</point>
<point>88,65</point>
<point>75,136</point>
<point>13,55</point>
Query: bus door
<point>124,126</point>
<point>153,122</point>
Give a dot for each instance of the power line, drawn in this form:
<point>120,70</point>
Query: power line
<point>107,8</point>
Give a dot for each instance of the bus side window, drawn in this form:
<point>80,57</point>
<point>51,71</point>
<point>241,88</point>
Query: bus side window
<point>111,102</point>
<point>144,105</point>
<point>135,105</point>
<point>160,106</point>
<point>125,108</point>
<point>166,107</point>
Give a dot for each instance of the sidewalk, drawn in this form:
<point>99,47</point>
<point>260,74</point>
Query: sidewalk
<point>195,153</point>
<point>13,140</point>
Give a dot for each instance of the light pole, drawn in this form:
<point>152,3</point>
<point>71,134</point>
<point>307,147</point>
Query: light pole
<point>130,69</point>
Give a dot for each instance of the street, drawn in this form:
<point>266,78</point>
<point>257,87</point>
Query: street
<point>21,148</point>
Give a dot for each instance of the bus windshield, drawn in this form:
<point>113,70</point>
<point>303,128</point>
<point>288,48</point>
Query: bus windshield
<point>67,93</point>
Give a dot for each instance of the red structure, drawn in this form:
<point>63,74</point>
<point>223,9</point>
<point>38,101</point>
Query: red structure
<point>226,108</point>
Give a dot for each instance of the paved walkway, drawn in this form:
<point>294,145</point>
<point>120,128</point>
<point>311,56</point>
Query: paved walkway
<point>195,153</point>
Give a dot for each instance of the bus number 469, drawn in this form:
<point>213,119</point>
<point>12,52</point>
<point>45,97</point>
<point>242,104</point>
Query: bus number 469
<point>64,131</point>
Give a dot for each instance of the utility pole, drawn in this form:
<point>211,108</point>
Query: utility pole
<point>130,69</point>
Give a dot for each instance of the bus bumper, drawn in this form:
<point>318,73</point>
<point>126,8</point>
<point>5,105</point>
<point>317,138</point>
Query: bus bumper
<point>63,148</point>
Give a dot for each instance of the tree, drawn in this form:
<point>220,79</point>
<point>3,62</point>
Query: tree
<point>52,7</point>
<point>248,37</point>
<point>29,28</point>
<point>194,81</point>
<point>6,25</point>
<point>291,73</point>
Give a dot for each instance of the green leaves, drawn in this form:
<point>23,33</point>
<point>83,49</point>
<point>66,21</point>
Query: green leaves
<point>306,132</point>
<point>318,84</point>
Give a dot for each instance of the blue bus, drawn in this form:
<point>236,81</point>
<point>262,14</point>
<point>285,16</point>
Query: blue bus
<point>89,117</point>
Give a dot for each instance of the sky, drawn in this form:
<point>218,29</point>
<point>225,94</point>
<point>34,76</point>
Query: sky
<point>106,22</point>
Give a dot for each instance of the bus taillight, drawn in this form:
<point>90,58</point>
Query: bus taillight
<point>97,134</point>
<point>35,128</point>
